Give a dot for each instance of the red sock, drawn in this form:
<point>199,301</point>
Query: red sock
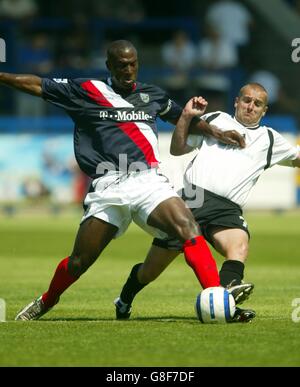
<point>60,282</point>
<point>199,257</point>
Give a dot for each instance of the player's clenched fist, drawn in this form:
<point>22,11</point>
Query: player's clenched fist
<point>196,106</point>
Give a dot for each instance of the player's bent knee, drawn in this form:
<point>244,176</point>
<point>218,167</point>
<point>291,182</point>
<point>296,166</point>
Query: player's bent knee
<point>239,252</point>
<point>186,228</point>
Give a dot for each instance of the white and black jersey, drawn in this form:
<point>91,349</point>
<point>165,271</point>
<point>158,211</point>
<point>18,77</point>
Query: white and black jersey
<point>232,172</point>
<point>110,122</point>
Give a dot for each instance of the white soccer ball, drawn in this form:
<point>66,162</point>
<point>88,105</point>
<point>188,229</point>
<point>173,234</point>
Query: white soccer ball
<point>215,305</point>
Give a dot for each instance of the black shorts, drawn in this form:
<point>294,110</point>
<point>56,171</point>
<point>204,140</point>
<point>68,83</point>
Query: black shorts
<point>215,211</point>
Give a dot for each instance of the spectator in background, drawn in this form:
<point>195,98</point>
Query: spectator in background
<point>280,102</point>
<point>179,55</point>
<point>297,6</point>
<point>125,10</point>
<point>233,20</point>
<point>66,8</point>
<point>74,52</point>
<point>176,8</point>
<point>18,9</point>
<point>215,55</point>
<point>294,4</point>
<point>215,52</point>
<point>98,57</point>
<point>35,56</point>
<point>34,189</point>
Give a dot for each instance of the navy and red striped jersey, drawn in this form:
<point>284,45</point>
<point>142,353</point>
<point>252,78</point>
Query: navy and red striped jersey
<point>114,130</point>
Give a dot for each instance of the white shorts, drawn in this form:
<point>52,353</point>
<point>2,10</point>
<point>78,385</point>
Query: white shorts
<point>120,198</point>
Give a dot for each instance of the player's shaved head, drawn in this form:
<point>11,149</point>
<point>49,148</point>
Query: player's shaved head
<point>118,47</point>
<point>254,86</point>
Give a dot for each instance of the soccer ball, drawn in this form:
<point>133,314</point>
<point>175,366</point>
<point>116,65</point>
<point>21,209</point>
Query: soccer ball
<point>214,305</point>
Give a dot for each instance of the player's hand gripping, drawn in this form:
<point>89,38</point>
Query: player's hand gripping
<point>229,137</point>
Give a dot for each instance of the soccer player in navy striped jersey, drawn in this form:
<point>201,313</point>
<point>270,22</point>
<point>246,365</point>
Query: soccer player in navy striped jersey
<point>223,178</point>
<point>115,143</point>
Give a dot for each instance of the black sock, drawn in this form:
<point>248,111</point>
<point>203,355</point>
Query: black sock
<point>132,286</point>
<point>231,270</point>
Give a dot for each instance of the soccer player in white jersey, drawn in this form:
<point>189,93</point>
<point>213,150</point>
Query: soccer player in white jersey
<point>222,178</point>
<point>115,143</point>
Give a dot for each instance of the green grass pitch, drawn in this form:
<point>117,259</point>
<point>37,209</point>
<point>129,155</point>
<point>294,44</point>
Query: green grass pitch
<point>163,331</point>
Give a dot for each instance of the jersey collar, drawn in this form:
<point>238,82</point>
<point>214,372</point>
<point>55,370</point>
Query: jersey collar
<point>247,127</point>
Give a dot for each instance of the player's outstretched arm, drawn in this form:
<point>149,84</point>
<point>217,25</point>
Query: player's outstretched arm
<point>30,84</point>
<point>195,107</point>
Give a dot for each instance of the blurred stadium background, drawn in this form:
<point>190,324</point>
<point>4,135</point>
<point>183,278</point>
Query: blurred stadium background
<point>175,50</point>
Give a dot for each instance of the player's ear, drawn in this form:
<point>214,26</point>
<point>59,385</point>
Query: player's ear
<point>236,101</point>
<point>107,65</point>
<point>265,110</point>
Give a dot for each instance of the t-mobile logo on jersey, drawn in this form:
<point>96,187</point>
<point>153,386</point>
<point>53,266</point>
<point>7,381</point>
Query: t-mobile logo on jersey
<point>2,50</point>
<point>296,51</point>
<point>124,116</point>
